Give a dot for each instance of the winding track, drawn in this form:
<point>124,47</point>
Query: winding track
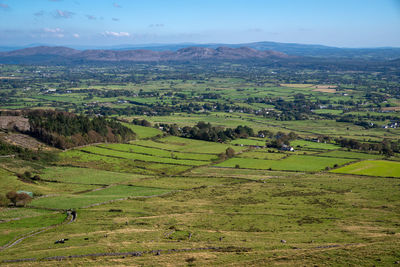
<point>36,232</point>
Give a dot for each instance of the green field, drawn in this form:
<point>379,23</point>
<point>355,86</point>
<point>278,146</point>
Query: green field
<point>380,168</point>
<point>350,155</point>
<point>134,156</point>
<point>98,196</point>
<point>312,145</point>
<point>9,231</point>
<point>85,176</point>
<point>291,163</point>
<point>182,201</point>
<point>131,148</point>
<point>262,155</point>
<point>115,164</point>
<point>143,132</point>
<point>248,142</point>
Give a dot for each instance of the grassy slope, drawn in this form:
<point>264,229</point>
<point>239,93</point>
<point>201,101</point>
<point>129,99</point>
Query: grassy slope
<point>381,168</point>
<point>291,163</point>
<point>308,212</point>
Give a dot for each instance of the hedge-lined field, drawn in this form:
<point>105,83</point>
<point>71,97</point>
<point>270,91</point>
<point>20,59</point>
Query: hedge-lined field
<point>103,162</point>
<point>291,163</point>
<point>98,196</point>
<point>381,168</point>
<point>132,148</point>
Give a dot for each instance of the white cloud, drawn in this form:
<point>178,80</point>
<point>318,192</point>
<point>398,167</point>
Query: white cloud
<point>117,34</point>
<point>55,30</point>
<point>63,14</point>
<point>158,25</point>
<point>76,35</point>
<point>91,17</point>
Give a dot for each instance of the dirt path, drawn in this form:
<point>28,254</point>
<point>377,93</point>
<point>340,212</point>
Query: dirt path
<point>72,218</point>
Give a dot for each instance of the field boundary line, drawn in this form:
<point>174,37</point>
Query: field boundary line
<point>178,164</point>
<point>147,154</point>
<point>133,254</point>
<point>36,232</point>
<point>170,150</point>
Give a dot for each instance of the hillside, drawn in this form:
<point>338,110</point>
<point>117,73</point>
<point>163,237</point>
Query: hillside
<point>63,54</point>
<point>294,49</point>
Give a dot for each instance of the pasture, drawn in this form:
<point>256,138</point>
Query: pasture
<point>290,163</point>
<point>313,212</point>
<point>100,195</point>
<point>186,202</point>
<point>380,168</point>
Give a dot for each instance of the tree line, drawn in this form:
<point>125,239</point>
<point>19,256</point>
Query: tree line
<point>206,132</point>
<point>66,130</point>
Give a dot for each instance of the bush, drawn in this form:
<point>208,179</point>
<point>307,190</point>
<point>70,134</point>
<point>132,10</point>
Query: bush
<point>21,199</point>
<point>229,152</point>
<point>4,201</point>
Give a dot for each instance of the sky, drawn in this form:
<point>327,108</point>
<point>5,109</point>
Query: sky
<point>342,23</point>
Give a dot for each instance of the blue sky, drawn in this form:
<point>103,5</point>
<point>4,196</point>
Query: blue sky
<point>344,23</point>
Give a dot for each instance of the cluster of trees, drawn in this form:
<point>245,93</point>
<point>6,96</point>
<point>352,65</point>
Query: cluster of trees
<point>386,147</point>
<point>136,109</point>
<point>140,122</point>
<point>360,122</point>
<point>298,109</point>
<point>207,132</point>
<point>280,139</point>
<point>229,153</point>
<point>66,130</point>
<point>17,199</point>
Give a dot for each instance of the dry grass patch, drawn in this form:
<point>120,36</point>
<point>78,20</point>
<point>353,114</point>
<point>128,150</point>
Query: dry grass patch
<point>325,90</point>
<point>391,109</point>
<point>325,86</point>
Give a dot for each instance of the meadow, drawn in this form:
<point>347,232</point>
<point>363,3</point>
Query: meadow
<point>289,163</point>
<point>175,201</point>
<point>380,168</point>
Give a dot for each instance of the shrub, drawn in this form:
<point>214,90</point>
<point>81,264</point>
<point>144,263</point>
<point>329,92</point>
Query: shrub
<point>21,199</point>
<point>230,152</point>
<point>4,201</point>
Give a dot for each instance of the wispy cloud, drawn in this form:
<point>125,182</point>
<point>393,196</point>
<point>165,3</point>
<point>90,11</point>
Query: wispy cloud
<point>115,19</point>
<point>158,25</point>
<point>4,6</point>
<point>76,35</point>
<point>91,17</point>
<point>255,30</point>
<point>116,5</point>
<point>65,14</point>
<point>39,13</point>
<point>116,34</point>
<point>53,30</point>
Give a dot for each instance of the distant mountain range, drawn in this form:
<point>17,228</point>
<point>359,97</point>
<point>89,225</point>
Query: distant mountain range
<point>46,54</point>
<point>292,49</point>
<point>190,52</point>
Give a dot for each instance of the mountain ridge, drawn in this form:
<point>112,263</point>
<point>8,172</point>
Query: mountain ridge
<point>60,53</point>
<point>293,49</point>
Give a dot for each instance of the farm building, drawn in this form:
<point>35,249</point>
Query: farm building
<point>25,192</point>
<point>287,148</point>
